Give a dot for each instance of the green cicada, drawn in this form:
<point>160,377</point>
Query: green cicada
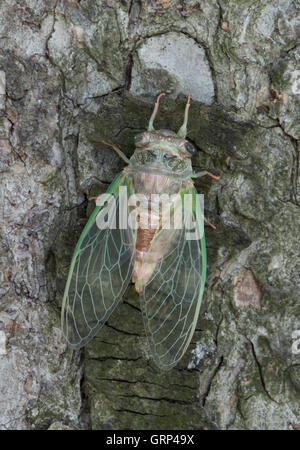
<point>167,267</point>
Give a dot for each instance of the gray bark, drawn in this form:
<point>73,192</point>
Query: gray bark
<point>75,72</point>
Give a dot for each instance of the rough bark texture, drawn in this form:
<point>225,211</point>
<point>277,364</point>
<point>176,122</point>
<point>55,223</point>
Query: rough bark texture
<point>74,72</point>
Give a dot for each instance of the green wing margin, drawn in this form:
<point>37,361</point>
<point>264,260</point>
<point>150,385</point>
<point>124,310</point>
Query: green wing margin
<point>171,299</point>
<point>100,272</point>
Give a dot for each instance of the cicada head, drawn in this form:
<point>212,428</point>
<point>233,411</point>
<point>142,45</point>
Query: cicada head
<point>165,144</point>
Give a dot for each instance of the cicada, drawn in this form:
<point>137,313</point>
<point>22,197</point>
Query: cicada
<point>167,267</point>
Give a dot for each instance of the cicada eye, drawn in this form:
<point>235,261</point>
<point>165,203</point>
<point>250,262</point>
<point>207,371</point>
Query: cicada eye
<point>190,148</point>
<point>139,137</point>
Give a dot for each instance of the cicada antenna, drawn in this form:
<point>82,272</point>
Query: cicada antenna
<point>150,126</point>
<point>183,129</point>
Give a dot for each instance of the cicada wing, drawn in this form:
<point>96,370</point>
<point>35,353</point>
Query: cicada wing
<point>101,268</point>
<point>172,297</point>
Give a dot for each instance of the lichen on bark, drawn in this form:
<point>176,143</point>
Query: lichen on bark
<point>73,73</point>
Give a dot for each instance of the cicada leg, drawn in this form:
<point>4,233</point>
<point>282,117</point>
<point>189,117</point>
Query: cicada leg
<point>117,150</point>
<point>203,173</point>
<point>97,198</point>
<point>209,223</point>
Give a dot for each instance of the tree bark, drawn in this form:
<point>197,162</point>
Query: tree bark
<point>73,73</point>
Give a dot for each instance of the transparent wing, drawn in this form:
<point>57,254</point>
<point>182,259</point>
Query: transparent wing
<point>172,297</point>
<point>101,269</point>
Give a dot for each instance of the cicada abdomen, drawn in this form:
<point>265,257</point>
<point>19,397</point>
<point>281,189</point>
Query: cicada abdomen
<point>151,246</point>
